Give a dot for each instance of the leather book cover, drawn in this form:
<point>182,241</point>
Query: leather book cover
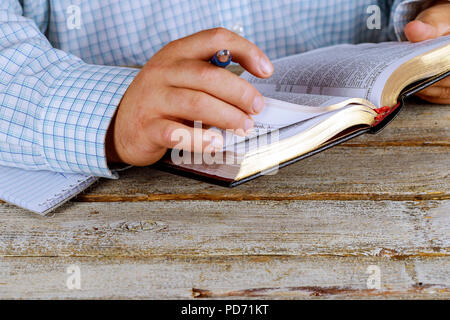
<point>386,115</point>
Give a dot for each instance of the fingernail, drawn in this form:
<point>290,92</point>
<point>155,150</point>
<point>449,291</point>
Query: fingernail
<point>248,124</point>
<point>258,104</point>
<point>265,65</point>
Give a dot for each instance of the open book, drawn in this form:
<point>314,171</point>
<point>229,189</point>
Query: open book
<point>316,100</point>
<point>313,101</point>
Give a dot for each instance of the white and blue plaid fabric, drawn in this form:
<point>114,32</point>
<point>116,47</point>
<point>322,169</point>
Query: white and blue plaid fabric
<point>61,82</point>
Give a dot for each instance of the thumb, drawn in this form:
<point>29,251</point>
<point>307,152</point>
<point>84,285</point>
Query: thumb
<point>430,23</point>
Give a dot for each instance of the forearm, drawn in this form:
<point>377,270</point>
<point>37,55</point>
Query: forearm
<point>54,108</point>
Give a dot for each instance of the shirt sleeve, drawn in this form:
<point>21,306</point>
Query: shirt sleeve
<point>55,109</point>
<point>404,11</point>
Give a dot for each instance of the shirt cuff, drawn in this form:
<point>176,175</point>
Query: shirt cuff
<point>404,11</point>
<point>76,113</point>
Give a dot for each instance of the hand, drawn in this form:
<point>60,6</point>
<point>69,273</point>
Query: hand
<point>432,23</point>
<point>178,85</point>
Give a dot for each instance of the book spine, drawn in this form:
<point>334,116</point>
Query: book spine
<point>383,112</point>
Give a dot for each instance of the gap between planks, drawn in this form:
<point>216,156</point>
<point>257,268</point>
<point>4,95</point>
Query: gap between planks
<point>383,253</point>
<point>316,291</point>
<point>260,196</point>
<point>235,277</point>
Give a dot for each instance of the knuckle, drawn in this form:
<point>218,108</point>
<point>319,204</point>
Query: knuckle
<point>172,44</point>
<point>220,34</point>
<point>145,74</point>
<point>167,136</point>
<point>142,116</point>
<point>254,52</point>
<point>196,102</point>
<point>234,119</point>
<point>246,95</point>
<point>206,74</point>
<point>152,71</point>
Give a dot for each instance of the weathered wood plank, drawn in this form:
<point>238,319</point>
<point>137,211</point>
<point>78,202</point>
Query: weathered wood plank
<point>409,159</point>
<point>418,124</point>
<point>271,277</point>
<point>205,228</point>
<point>345,173</point>
<point>380,167</point>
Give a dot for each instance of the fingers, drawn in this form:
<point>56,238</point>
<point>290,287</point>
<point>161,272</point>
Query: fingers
<point>174,135</point>
<point>442,83</point>
<point>417,31</point>
<point>430,23</point>
<point>218,82</point>
<point>438,92</point>
<point>434,99</point>
<point>199,106</point>
<point>246,53</point>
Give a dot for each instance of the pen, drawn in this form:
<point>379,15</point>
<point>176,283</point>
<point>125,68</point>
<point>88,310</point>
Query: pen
<point>221,58</point>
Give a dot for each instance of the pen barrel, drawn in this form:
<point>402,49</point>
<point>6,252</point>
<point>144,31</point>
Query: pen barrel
<point>218,59</point>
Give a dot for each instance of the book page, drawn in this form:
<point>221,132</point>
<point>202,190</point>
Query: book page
<point>293,129</point>
<point>304,99</point>
<point>242,145</point>
<point>278,114</point>
<point>358,71</point>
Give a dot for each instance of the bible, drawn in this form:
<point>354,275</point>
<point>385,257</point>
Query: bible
<point>316,100</point>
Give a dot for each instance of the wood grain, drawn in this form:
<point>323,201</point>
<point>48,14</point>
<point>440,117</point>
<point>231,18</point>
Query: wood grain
<point>233,277</point>
<point>418,124</point>
<point>408,160</point>
<point>309,231</point>
<point>207,228</point>
<point>344,173</point>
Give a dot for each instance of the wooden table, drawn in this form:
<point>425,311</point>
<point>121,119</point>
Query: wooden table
<point>311,231</point>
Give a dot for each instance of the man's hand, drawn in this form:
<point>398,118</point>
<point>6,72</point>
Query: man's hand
<point>432,23</point>
<point>178,85</point>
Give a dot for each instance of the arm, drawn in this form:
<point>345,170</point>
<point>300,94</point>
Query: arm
<point>54,108</point>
